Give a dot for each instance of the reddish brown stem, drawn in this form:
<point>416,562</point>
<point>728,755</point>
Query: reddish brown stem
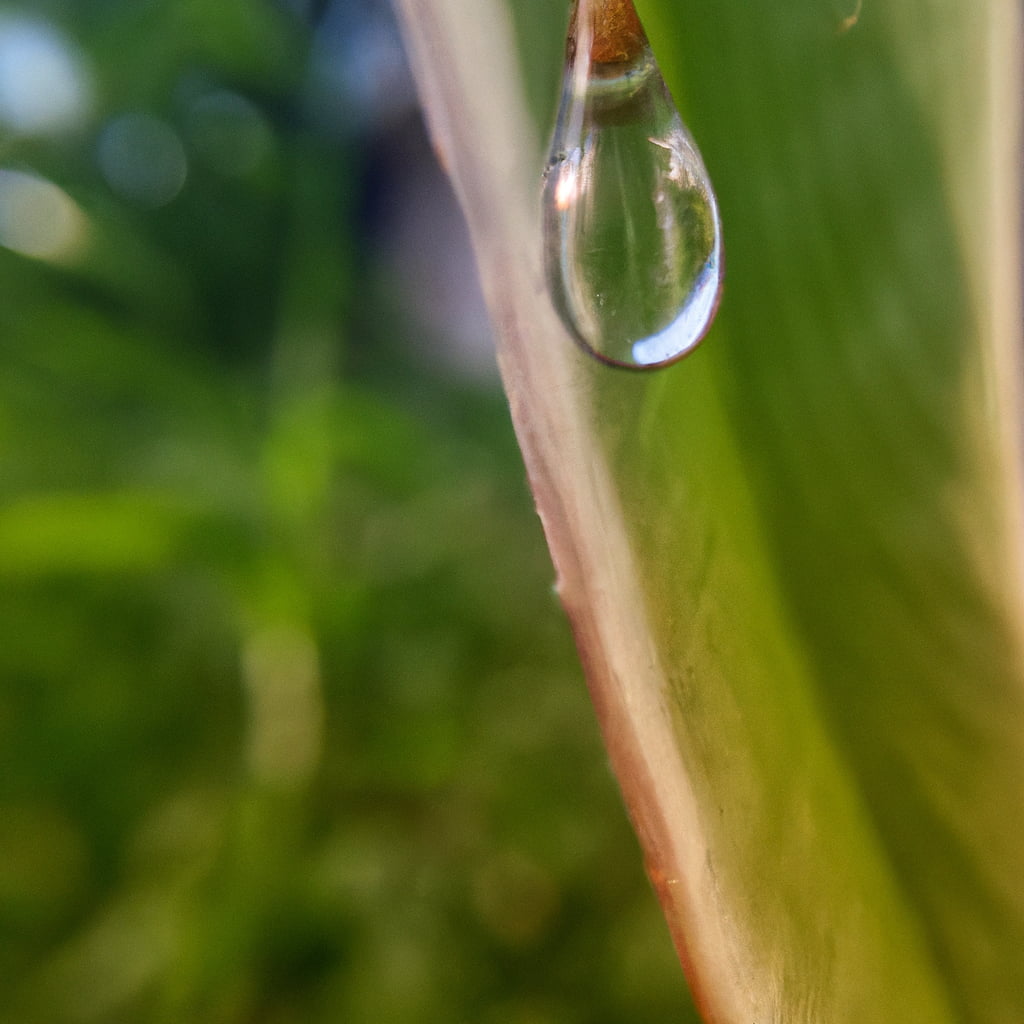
<point>618,35</point>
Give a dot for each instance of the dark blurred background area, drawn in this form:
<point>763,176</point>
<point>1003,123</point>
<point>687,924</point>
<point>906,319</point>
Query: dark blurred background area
<point>291,726</point>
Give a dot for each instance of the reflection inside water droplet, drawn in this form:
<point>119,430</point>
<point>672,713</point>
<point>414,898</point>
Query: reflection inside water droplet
<point>633,246</point>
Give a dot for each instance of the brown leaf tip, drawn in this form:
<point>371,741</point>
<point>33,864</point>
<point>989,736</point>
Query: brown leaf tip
<point>619,37</point>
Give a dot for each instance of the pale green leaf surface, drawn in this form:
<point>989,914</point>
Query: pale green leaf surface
<point>792,561</point>
<point>856,170</point>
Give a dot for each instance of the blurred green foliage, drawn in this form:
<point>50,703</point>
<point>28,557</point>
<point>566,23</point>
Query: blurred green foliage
<point>291,728</point>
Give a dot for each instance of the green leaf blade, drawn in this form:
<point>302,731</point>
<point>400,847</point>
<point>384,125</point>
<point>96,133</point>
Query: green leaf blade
<point>790,561</point>
<point>856,361</point>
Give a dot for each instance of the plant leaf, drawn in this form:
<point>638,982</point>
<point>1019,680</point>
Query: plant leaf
<point>792,561</point>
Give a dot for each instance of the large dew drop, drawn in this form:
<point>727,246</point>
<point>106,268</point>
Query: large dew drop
<point>632,237</point>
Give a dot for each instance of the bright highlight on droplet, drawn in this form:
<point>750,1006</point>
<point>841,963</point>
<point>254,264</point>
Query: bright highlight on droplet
<point>632,236</point>
<point>37,218</point>
<point>566,187</point>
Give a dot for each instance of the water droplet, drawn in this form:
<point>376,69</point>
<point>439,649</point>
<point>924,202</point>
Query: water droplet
<point>632,237</point>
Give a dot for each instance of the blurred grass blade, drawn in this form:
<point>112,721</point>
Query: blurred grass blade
<point>793,562</point>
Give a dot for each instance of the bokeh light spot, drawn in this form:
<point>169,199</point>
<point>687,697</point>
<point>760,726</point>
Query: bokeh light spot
<point>37,218</point>
<point>282,675</point>
<point>44,86</point>
<point>142,159</point>
<point>229,133</point>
